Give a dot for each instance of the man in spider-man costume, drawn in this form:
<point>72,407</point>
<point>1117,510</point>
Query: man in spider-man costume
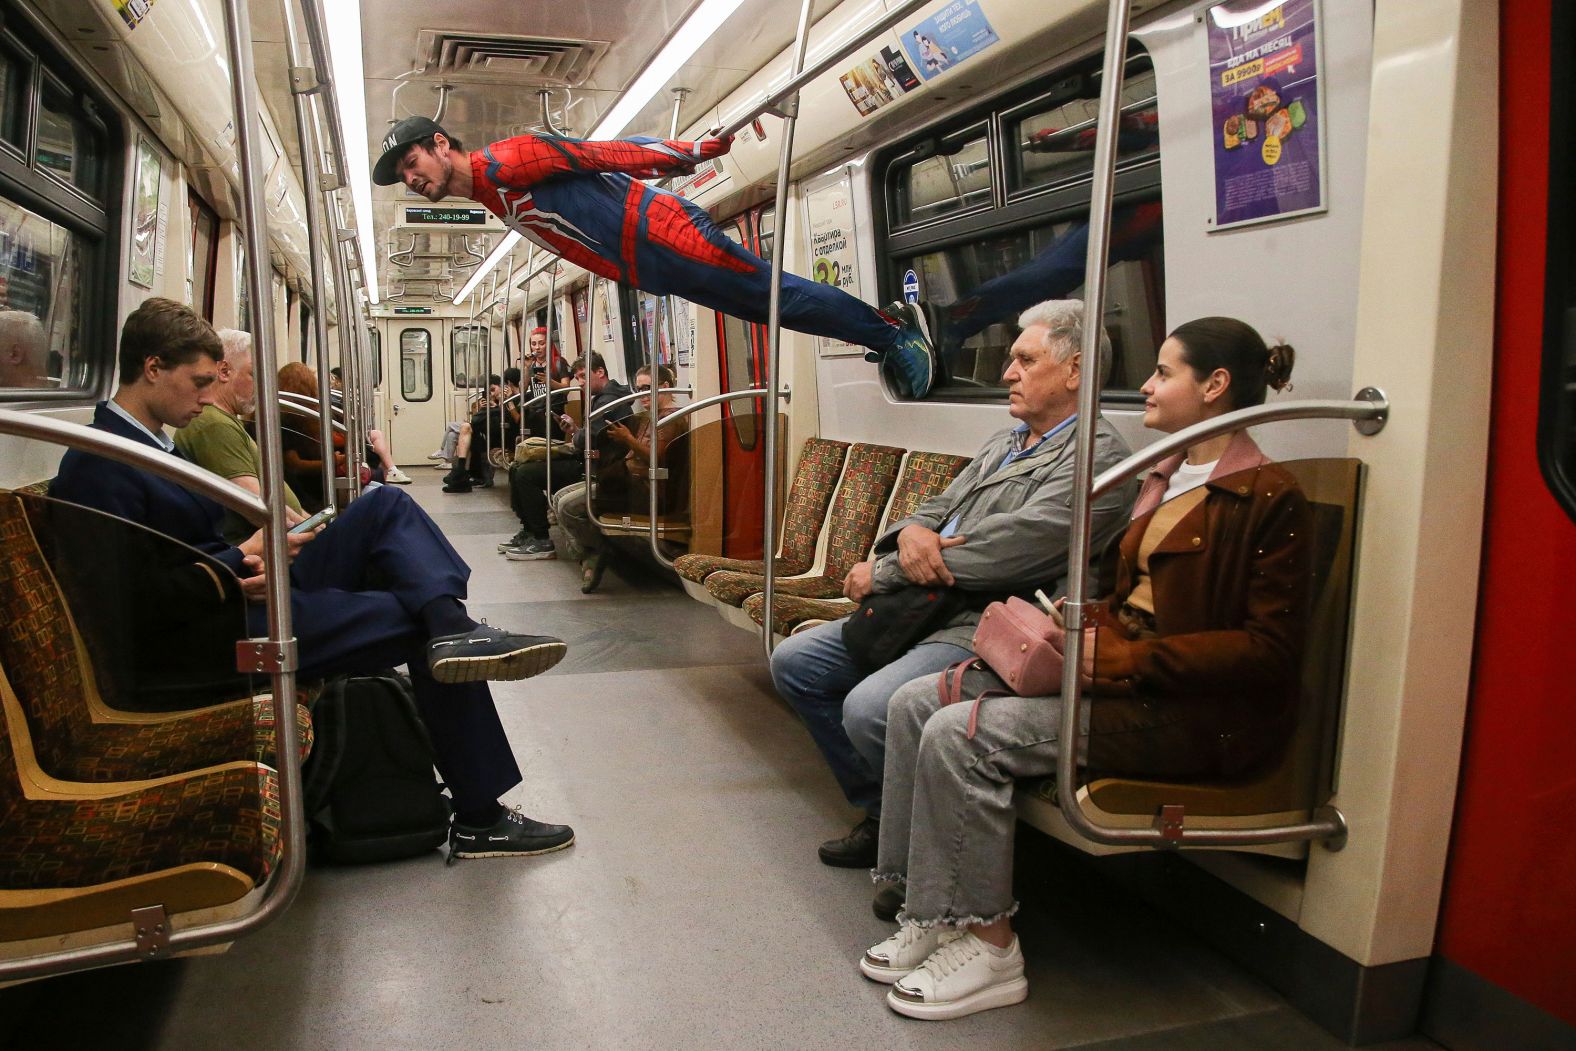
<point>581,200</point>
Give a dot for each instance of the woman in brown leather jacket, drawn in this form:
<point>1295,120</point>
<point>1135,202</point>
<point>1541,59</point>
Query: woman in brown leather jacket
<point>1193,666</point>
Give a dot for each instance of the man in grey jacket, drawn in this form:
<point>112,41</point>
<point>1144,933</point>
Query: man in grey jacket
<point>1000,528</point>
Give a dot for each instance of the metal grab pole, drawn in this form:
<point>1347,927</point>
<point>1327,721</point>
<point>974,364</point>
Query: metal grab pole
<point>585,397</point>
<point>525,379</point>
<point>487,420</point>
<point>655,472</point>
<point>355,411</point>
<point>1089,404</point>
<point>774,336</point>
<point>770,102</point>
<point>302,85</point>
<point>547,406</point>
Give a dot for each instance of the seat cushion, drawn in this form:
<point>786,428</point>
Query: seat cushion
<point>790,611</point>
<point>228,816</point>
<point>732,588</point>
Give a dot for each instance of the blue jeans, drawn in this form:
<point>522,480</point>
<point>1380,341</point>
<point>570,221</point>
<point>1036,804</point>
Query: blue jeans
<point>846,710</point>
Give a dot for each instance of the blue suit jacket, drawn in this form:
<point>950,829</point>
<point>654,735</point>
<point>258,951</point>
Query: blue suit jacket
<point>138,496</point>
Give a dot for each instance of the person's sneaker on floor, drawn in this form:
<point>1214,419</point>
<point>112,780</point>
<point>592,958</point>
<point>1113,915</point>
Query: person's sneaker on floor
<point>534,549</point>
<point>395,476</point>
<point>904,951</point>
<point>857,850</point>
<point>513,835</point>
<point>515,541</point>
<point>911,364</point>
<point>960,978</point>
<point>486,653</point>
<point>888,901</point>
<point>440,456</point>
<point>457,481</point>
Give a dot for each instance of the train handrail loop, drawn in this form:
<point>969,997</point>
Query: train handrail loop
<point>774,329</point>
<point>1327,823</point>
<point>603,410</point>
<point>311,410</point>
<point>285,881</point>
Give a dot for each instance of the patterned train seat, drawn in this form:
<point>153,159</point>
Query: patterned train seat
<point>805,513</point>
<point>855,517</point>
<point>79,856</point>
<point>925,474</point>
<point>75,736</point>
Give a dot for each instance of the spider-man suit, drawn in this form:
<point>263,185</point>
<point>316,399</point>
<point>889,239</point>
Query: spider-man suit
<point>577,199</point>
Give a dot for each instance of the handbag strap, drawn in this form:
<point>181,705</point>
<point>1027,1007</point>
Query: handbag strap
<point>949,690</point>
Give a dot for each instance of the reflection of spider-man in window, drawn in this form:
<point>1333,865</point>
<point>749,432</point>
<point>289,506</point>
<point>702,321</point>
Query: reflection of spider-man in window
<point>578,200</point>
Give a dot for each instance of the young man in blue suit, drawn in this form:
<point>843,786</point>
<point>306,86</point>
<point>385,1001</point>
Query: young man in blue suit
<point>379,587</point>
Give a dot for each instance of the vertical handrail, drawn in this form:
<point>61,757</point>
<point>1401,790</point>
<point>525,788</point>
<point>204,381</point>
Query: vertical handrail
<point>355,386</point>
<point>306,138</point>
<point>547,404</point>
<point>655,472</point>
<point>525,379</point>
<point>585,395</point>
<point>487,420</point>
<point>790,111</point>
<point>1117,16</point>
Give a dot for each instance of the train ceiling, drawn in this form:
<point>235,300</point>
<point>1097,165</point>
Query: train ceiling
<point>495,56</point>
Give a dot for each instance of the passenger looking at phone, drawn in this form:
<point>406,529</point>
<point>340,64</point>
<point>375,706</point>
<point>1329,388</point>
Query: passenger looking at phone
<point>471,466</point>
<point>379,587</point>
<point>1192,666</point>
<point>548,368</point>
<point>528,493</point>
<point>217,440</point>
<point>621,484</point>
<point>1000,528</point>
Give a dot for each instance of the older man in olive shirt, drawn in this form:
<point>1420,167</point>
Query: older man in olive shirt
<point>217,440</point>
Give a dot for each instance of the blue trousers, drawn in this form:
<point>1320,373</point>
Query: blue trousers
<point>846,710</point>
<point>356,594</point>
<point>807,306</point>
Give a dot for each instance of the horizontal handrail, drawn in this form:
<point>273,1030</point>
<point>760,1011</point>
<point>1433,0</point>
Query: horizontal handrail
<point>293,398</point>
<point>603,410</point>
<point>1369,411</point>
<point>135,454</point>
<point>307,410</point>
<point>857,40</point>
<point>716,399</point>
<point>1369,404</point>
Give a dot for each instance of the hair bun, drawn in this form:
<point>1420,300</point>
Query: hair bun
<point>1277,366</point>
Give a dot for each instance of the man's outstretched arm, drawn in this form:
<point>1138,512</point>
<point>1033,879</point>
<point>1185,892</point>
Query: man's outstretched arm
<point>528,159</point>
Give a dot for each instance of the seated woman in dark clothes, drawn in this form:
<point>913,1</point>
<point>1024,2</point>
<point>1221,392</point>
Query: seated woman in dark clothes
<point>1193,669</point>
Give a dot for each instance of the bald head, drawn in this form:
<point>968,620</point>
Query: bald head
<point>23,350</point>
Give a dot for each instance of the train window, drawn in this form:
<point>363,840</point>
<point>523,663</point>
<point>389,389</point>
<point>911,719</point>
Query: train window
<point>415,364</point>
<point>42,305</point>
<point>16,75</point>
<point>1052,137</point>
<point>468,354</point>
<point>70,140</point>
<point>1015,237</point>
<point>956,178</point>
<point>375,348</point>
<point>204,255</point>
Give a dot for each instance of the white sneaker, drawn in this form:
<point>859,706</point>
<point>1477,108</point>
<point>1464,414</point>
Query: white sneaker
<point>439,455</point>
<point>395,476</point>
<point>904,951</point>
<point>961,978</point>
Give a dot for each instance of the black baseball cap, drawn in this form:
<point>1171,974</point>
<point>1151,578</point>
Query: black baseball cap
<point>401,135</point>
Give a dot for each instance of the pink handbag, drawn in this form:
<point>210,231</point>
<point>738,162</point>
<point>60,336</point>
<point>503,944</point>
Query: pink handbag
<point>1013,637</point>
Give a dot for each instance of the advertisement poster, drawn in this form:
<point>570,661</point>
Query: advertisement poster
<point>829,212</point>
<point>145,217</point>
<point>1264,94</point>
<point>877,81</point>
<point>132,11</point>
<point>956,32</point>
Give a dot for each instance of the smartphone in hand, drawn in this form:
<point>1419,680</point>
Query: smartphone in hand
<point>323,517</point>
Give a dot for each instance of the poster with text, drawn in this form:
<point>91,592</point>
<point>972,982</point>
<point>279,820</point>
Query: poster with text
<point>145,216</point>
<point>1264,94</point>
<point>956,32</point>
<point>829,211</point>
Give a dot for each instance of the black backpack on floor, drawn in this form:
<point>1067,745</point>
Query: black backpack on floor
<point>370,792</point>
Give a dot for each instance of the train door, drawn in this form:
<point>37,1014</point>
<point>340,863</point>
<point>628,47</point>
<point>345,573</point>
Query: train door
<point>415,406</point>
<point>741,350</point>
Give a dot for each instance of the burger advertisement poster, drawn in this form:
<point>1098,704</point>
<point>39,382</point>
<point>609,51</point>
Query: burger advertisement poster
<point>1264,95</point>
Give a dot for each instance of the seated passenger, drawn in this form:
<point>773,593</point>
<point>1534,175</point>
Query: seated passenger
<point>1194,674</point>
<point>379,587</point>
<point>302,446</point>
<point>528,481</point>
<point>217,440</point>
<point>1000,528</point>
<point>621,484</point>
<point>548,368</point>
<point>501,432</point>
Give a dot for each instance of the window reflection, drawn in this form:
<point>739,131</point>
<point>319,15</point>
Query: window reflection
<point>69,142</point>
<point>15,73</point>
<point>40,303</point>
<point>1054,140</point>
<point>949,182</point>
<point>468,346</point>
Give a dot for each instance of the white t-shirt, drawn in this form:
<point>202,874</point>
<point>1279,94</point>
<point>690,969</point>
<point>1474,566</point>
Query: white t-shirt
<point>1188,476</point>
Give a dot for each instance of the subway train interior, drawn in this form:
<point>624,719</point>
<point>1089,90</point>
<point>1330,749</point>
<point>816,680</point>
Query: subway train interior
<point>825,249</point>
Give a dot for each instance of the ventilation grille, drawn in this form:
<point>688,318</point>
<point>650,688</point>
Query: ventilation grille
<point>543,59</point>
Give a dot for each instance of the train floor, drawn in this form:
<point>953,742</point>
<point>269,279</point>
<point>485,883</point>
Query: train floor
<point>691,913</point>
